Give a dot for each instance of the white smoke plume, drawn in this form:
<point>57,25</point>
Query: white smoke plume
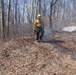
<point>47,32</point>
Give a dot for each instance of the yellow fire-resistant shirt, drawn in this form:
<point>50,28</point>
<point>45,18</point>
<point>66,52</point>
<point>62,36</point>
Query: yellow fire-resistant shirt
<point>37,23</point>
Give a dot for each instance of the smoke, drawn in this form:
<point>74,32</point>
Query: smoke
<point>47,33</point>
<point>69,29</point>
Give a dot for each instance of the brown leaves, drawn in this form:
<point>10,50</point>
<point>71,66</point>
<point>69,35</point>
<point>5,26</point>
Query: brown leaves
<point>29,57</point>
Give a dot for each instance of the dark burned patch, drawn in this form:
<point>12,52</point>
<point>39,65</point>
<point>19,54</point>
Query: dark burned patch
<point>44,65</point>
<point>53,41</point>
<point>5,53</point>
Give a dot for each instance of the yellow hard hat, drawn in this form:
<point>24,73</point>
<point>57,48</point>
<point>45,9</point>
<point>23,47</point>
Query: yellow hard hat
<point>39,15</point>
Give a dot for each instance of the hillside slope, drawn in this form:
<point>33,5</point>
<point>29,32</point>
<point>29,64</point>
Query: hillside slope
<point>24,56</point>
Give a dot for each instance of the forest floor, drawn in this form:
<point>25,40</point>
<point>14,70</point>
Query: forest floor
<point>25,56</point>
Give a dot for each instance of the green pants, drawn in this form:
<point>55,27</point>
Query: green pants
<point>39,33</point>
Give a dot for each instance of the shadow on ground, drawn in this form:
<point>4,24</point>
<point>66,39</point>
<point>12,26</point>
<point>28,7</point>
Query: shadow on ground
<point>59,47</point>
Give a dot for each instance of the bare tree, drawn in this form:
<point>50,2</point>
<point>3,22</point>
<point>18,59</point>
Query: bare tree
<point>39,6</point>
<point>16,28</point>
<point>1,29</point>
<point>26,11</point>
<point>52,3</point>
<point>23,14</point>
<point>3,24</point>
<point>8,18</point>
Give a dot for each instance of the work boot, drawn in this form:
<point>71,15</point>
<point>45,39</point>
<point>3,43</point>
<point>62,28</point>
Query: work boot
<point>40,39</point>
<point>36,38</point>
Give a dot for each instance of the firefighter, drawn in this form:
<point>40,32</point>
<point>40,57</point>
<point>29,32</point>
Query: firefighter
<point>38,27</point>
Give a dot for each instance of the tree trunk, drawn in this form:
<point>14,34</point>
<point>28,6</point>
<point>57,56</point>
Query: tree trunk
<point>16,28</point>
<point>74,11</point>
<point>50,15</point>
<point>23,17</point>
<point>3,24</point>
<point>52,3</point>
<point>13,18</point>
<point>8,18</point>
<point>39,6</point>
<point>1,28</point>
<point>44,11</point>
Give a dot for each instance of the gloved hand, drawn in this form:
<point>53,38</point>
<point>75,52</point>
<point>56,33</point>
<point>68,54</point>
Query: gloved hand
<point>34,31</point>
